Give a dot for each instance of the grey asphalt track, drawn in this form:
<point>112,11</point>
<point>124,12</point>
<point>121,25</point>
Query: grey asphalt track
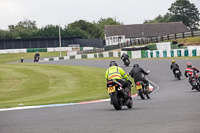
<point>174,108</point>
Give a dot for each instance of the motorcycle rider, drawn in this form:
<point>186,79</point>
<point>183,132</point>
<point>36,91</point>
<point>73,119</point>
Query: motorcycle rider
<point>117,73</point>
<point>22,60</point>
<point>191,71</point>
<point>136,73</point>
<point>37,55</point>
<point>125,57</point>
<point>174,66</point>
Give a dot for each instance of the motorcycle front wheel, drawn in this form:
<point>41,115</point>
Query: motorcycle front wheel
<point>130,104</point>
<point>148,95</point>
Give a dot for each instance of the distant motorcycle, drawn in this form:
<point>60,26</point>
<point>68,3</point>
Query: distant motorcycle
<point>178,74</point>
<point>126,62</point>
<point>141,87</point>
<point>36,58</point>
<point>194,81</point>
<point>117,95</point>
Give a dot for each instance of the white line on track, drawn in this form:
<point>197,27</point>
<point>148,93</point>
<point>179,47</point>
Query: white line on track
<point>157,87</point>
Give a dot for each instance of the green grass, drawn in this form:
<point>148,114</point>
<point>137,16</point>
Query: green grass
<point>37,84</point>
<point>191,40</point>
<point>40,84</point>
<point>17,56</point>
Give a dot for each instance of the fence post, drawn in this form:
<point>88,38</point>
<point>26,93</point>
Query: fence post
<point>167,37</point>
<point>192,34</point>
<point>157,39</point>
<point>138,41</point>
<point>183,36</point>
<point>175,36</point>
<point>135,42</point>
<point>142,41</point>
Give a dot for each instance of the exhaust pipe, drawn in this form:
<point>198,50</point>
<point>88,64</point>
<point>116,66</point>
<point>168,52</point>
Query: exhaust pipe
<point>120,89</point>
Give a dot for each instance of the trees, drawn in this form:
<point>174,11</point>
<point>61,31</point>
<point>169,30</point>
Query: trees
<point>49,31</point>
<point>186,12</point>
<point>83,25</point>
<point>160,19</point>
<point>103,22</point>
<point>180,11</point>
<point>24,29</point>
<point>95,29</point>
<point>80,28</point>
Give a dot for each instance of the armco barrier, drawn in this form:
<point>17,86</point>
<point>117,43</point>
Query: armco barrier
<point>134,54</point>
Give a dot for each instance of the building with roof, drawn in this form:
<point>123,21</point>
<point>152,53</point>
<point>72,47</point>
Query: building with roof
<point>115,34</point>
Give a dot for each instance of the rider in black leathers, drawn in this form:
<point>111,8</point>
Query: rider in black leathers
<point>125,57</point>
<point>174,66</point>
<point>137,72</point>
<point>35,56</point>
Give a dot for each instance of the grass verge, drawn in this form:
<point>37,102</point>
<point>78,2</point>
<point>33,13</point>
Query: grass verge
<point>4,58</point>
<point>38,84</point>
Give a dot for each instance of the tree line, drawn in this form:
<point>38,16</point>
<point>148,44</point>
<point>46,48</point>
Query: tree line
<point>180,11</point>
<point>81,28</point>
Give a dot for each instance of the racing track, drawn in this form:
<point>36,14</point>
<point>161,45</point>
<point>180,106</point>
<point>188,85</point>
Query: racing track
<point>174,108</point>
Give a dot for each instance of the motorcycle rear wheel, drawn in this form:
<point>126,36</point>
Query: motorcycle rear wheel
<point>178,76</point>
<point>141,94</point>
<point>116,101</point>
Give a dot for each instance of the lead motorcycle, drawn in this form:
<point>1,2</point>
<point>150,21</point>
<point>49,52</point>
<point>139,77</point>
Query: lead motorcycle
<point>141,87</point>
<point>117,95</point>
<point>194,81</point>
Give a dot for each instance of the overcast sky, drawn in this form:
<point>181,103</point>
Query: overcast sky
<point>46,12</point>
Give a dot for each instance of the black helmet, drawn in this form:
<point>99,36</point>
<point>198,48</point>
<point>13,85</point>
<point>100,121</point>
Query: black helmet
<point>113,63</point>
<point>135,65</point>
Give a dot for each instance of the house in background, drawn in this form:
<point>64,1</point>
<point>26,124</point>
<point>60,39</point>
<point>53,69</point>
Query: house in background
<point>115,34</point>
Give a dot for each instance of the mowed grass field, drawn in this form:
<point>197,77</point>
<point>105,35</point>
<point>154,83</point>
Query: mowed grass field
<point>39,84</point>
<point>27,84</point>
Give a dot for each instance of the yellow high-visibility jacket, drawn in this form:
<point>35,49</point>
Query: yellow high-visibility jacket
<point>115,72</point>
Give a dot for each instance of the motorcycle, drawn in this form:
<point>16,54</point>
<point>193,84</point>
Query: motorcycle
<point>178,74</point>
<point>141,88</point>
<point>126,62</point>
<point>36,58</point>
<point>194,81</point>
<point>117,95</point>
